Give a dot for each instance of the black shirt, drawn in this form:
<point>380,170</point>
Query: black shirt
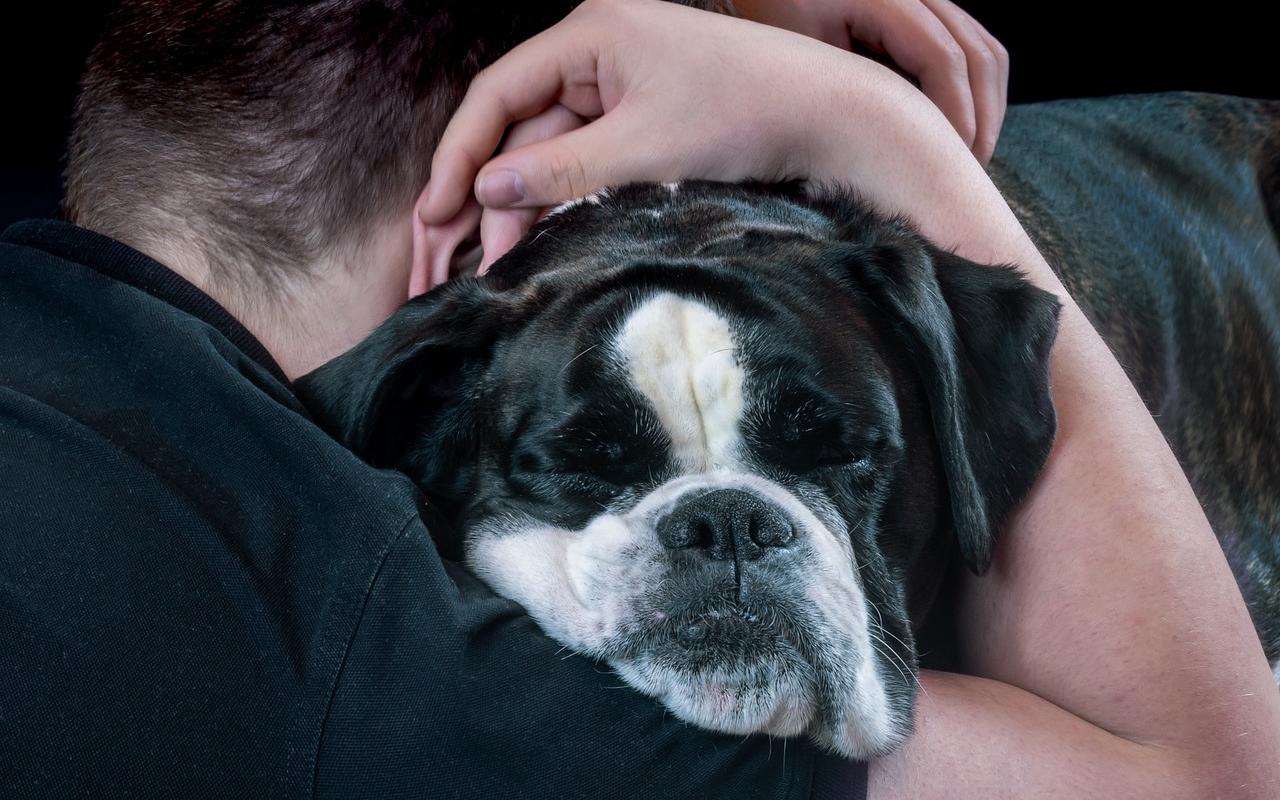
<point>201,593</point>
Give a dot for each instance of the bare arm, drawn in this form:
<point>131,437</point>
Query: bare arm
<point>1110,604</point>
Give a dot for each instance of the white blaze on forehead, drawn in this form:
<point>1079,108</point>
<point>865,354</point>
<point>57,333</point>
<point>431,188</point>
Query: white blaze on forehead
<point>680,355</point>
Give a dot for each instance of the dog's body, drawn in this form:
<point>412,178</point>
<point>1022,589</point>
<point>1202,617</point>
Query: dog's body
<point>728,438</point>
<point>1161,214</point>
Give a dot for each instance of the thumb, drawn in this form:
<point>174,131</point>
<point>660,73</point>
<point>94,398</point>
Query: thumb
<point>501,229</point>
<point>564,167</point>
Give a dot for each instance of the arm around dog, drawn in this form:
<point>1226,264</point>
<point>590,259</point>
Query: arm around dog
<point>1114,653</point>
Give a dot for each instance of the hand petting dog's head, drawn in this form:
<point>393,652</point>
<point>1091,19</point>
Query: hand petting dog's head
<point>716,435</point>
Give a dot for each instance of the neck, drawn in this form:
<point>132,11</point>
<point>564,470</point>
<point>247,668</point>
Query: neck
<point>333,305</point>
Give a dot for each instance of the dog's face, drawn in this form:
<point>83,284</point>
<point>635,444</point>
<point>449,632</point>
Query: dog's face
<point>717,435</point>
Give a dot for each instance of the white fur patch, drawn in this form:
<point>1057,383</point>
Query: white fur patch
<point>681,356</point>
<point>569,580</point>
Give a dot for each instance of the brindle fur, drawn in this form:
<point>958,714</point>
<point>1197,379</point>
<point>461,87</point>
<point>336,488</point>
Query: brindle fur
<point>1161,214</point>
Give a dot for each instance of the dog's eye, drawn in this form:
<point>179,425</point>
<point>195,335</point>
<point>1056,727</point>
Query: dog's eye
<point>590,486</point>
<point>546,474</point>
<point>831,453</point>
<point>836,454</point>
<point>609,444</point>
<point>803,442</point>
<point>604,460</point>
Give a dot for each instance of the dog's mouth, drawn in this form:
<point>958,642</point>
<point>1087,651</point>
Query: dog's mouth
<point>706,617</point>
<point>714,630</point>
<point>726,665</point>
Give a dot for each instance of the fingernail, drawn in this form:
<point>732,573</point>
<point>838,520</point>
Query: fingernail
<point>500,188</point>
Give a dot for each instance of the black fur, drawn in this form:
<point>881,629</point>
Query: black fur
<point>463,386</point>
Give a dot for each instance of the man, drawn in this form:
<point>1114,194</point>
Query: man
<point>204,594</point>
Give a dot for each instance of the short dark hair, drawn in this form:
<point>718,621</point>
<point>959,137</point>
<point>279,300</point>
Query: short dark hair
<point>271,131</point>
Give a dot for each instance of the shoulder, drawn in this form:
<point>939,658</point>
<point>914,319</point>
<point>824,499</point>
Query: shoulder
<point>185,554</point>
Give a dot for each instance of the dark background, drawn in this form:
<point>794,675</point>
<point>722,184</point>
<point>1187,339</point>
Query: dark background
<point>1057,49</point>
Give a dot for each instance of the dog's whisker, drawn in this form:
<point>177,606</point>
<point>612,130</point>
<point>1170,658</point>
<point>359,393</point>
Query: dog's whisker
<point>895,659</point>
<point>578,356</point>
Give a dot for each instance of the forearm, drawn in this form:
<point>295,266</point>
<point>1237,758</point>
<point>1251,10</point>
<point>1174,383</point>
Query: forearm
<point>978,738</point>
<point>1109,597</point>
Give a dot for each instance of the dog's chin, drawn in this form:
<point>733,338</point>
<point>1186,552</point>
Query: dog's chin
<point>771,694</point>
<point>732,668</point>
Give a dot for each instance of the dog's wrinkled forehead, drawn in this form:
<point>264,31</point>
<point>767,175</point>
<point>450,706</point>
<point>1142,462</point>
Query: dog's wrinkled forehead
<point>703,332</point>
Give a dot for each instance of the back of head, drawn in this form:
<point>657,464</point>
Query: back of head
<point>264,135</point>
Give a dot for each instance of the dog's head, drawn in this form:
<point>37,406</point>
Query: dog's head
<point>712,434</point>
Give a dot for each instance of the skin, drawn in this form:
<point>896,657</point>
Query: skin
<point>1110,652</point>
<point>961,67</point>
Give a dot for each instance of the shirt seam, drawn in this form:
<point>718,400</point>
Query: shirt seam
<point>314,768</point>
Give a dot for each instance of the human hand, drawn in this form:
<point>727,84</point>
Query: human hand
<point>959,65</point>
<point>676,93</point>
<point>447,245</point>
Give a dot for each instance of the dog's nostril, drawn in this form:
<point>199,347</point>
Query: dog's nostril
<point>770,530</point>
<point>728,524</point>
<point>679,531</point>
<point>702,534</point>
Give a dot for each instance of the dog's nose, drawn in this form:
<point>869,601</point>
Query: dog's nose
<point>727,524</point>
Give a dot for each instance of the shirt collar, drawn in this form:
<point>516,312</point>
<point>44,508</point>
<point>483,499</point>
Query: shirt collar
<point>121,262</point>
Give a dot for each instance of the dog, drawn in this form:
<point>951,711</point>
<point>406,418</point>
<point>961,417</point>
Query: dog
<point>730,438</point>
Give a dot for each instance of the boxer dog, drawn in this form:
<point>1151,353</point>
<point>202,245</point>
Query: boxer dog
<point>728,438</point>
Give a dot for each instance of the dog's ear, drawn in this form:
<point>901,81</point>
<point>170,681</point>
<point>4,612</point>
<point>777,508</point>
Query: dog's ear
<point>409,387</point>
<point>979,338</point>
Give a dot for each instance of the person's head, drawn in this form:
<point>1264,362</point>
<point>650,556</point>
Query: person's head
<point>272,151</point>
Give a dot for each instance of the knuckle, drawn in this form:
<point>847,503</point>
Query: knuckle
<point>568,174</point>
<point>953,57</point>
<point>987,61</point>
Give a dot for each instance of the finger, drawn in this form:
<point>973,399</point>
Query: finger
<point>984,75</point>
<point>502,229</point>
<point>1002,59</point>
<point>552,122</point>
<point>557,65</point>
<point>917,41</point>
<point>571,165</point>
